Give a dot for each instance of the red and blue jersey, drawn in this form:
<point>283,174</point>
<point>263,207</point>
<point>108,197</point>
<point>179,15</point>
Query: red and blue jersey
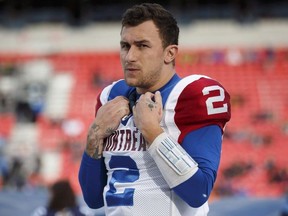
<point>127,181</point>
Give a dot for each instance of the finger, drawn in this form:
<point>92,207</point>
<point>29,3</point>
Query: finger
<point>121,104</point>
<point>134,110</point>
<point>125,117</point>
<point>118,100</point>
<point>122,110</point>
<point>158,98</point>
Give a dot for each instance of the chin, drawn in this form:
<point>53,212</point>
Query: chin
<point>131,82</point>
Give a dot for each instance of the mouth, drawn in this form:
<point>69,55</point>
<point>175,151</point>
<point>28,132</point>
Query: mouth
<point>131,70</point>
<point>131,67</point>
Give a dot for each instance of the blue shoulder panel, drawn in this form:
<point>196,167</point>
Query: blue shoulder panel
<point>120,88</point>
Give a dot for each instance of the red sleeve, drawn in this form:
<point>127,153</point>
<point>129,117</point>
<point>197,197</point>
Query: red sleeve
<point>98,104</point>
<point>201,103</point>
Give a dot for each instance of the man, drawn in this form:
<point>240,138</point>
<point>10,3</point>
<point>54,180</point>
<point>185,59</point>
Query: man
<point>161,155</point>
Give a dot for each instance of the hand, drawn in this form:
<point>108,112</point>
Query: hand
<point>107,120</point>
<point>109,115</point>
<point>148,114</point>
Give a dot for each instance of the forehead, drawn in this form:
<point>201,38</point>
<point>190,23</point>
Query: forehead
<point>144,31</point>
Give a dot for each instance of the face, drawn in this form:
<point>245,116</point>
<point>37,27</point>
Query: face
<point>143,57</point>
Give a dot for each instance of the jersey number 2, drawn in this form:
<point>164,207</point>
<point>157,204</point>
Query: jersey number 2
<point>129,174</point>
<point>219,98</point>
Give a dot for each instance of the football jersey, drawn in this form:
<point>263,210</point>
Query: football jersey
<point>135,185</point>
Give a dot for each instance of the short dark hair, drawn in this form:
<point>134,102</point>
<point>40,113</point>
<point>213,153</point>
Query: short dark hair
<point>163,20</point>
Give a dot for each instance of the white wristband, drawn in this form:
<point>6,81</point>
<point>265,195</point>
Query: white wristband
<point>175,164</point>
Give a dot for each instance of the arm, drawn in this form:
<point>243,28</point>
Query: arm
<point>92,173</point>
<point>92,179</point>
<point>204,146</point>
<point>189,169</point>
<point>189,164</point>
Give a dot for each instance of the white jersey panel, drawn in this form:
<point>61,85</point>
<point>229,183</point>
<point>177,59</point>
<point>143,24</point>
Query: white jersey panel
<point>137,179</point>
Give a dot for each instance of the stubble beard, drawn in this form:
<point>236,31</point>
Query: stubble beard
<point>143,82</point>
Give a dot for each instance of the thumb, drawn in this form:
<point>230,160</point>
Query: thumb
<point>158,98</point>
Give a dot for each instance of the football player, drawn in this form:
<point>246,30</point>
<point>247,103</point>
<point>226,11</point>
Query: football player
<point>154,146</point>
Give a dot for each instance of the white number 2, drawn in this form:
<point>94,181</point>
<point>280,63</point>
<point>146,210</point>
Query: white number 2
<point>219,98</point>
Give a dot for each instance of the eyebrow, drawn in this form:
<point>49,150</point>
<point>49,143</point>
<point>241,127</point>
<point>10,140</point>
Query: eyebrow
<point>135,42</point>
<point>141,41</point>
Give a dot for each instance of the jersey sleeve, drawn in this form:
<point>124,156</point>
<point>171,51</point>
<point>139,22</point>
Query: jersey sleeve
<point>202,101</point>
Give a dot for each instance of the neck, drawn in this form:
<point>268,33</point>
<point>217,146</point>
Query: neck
<point>160,83</point>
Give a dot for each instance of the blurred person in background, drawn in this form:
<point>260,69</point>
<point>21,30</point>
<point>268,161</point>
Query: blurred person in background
<point>154,146</point>
<point>284,211</point>
<point>62,201</point>
<point>4,163</point>
<point>17,174</point>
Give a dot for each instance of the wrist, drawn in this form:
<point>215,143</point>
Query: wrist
<point>175,164</point>
<point>94,146</point>
<point>151,134</point>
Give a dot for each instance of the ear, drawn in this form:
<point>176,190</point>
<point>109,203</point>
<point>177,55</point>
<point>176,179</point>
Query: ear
<point>170,53</point>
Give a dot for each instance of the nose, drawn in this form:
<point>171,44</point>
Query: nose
<point>131,55</point>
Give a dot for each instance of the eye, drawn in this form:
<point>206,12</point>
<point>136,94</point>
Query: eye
<point>142,45</point>
<point>124,46</point>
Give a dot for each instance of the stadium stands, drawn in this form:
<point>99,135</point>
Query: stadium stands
<point>256,80</point>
